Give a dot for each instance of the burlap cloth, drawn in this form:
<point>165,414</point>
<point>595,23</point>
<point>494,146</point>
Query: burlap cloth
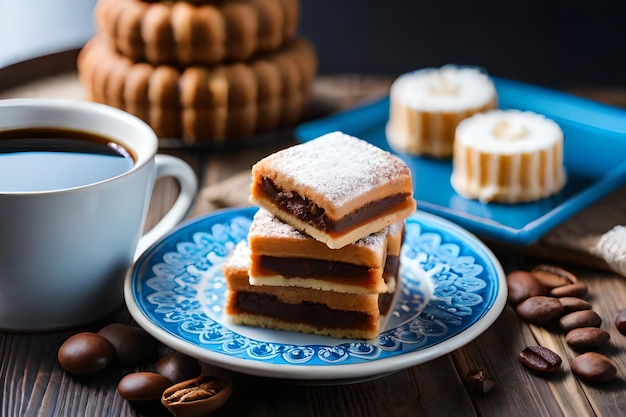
<point>594,237</point>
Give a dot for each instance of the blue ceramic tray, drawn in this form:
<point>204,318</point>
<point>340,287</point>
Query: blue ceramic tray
<point>594,154</point>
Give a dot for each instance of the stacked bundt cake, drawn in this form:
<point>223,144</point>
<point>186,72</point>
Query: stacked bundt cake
<point>200,70</point>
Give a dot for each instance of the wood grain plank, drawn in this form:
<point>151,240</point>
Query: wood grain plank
<point>431,389</point>
<point>34,384</point>
<point>516,390</point>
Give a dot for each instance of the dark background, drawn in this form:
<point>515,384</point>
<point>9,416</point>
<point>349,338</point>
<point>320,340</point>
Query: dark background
<point>551,43</point>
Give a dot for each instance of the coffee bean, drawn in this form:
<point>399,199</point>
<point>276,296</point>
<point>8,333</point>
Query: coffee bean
<point>477,382</point>
<point>594,367</point>
<point>553,276</point>
<point>620,322</point>
<point>178,367</point>
<point>571,304</point>
<point>585,338</point>
<point>583,318</point>
<point>540,309</point>
<point>85,353</point>
<point>143,392</point>
<point>522,285</point>
<point>540,359</point>
<point>578,289</point>
<point>132,344</point>
<point>143,386</point>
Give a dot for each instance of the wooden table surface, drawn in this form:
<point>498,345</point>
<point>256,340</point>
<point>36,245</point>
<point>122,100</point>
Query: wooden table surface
<point>34,384</point>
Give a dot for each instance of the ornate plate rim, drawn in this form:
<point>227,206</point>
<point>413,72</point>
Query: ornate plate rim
<point>320,373</point>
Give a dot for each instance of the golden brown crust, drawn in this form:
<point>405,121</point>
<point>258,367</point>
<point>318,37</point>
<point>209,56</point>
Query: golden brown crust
<point>270,236</point>
<point>183,33</point>
<point>275,323</point>
<point>338,172</point>
<point>337,240</point>
<point>203,103</point>
<point>337,175</point>
<point>236,273</point>
<point>237,280</point>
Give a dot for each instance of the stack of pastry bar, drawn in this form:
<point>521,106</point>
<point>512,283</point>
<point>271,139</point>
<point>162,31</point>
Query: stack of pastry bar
<point>322,253</point>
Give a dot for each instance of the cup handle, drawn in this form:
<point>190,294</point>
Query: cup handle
<point>167,165</point>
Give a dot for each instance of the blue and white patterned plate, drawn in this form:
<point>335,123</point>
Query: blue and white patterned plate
<point>453,289</point>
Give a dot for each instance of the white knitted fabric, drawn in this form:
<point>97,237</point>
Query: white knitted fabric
<point>612,248</point>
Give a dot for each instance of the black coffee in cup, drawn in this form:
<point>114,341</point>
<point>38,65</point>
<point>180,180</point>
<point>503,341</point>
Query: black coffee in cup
<point>45,159</point>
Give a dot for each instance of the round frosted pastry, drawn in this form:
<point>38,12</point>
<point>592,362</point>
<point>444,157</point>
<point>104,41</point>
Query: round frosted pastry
<point>508,156</point>
<point>426,106</point>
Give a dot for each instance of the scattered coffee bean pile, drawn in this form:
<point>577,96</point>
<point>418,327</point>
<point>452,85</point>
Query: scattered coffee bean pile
<point>177,384</point>
<point>552,297</point>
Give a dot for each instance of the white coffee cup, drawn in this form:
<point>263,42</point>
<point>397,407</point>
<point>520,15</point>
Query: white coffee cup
<point>64,252</point>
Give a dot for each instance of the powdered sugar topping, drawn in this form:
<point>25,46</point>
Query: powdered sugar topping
<point>266,224</point>
<point>339,166</point>
<point>508,131</point>
<point>449,88</point>
<point>239,258</point>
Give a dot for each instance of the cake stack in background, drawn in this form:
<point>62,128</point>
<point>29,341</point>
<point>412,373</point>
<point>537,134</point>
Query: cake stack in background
<point>322,254</point>
<point>202,70</point>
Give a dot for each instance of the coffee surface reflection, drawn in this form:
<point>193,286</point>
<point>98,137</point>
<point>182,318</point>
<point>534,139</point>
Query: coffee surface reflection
<point>45,159</point>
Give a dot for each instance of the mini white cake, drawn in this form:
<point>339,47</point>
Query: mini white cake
<point>508,156</point>
<point>426,106</point>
